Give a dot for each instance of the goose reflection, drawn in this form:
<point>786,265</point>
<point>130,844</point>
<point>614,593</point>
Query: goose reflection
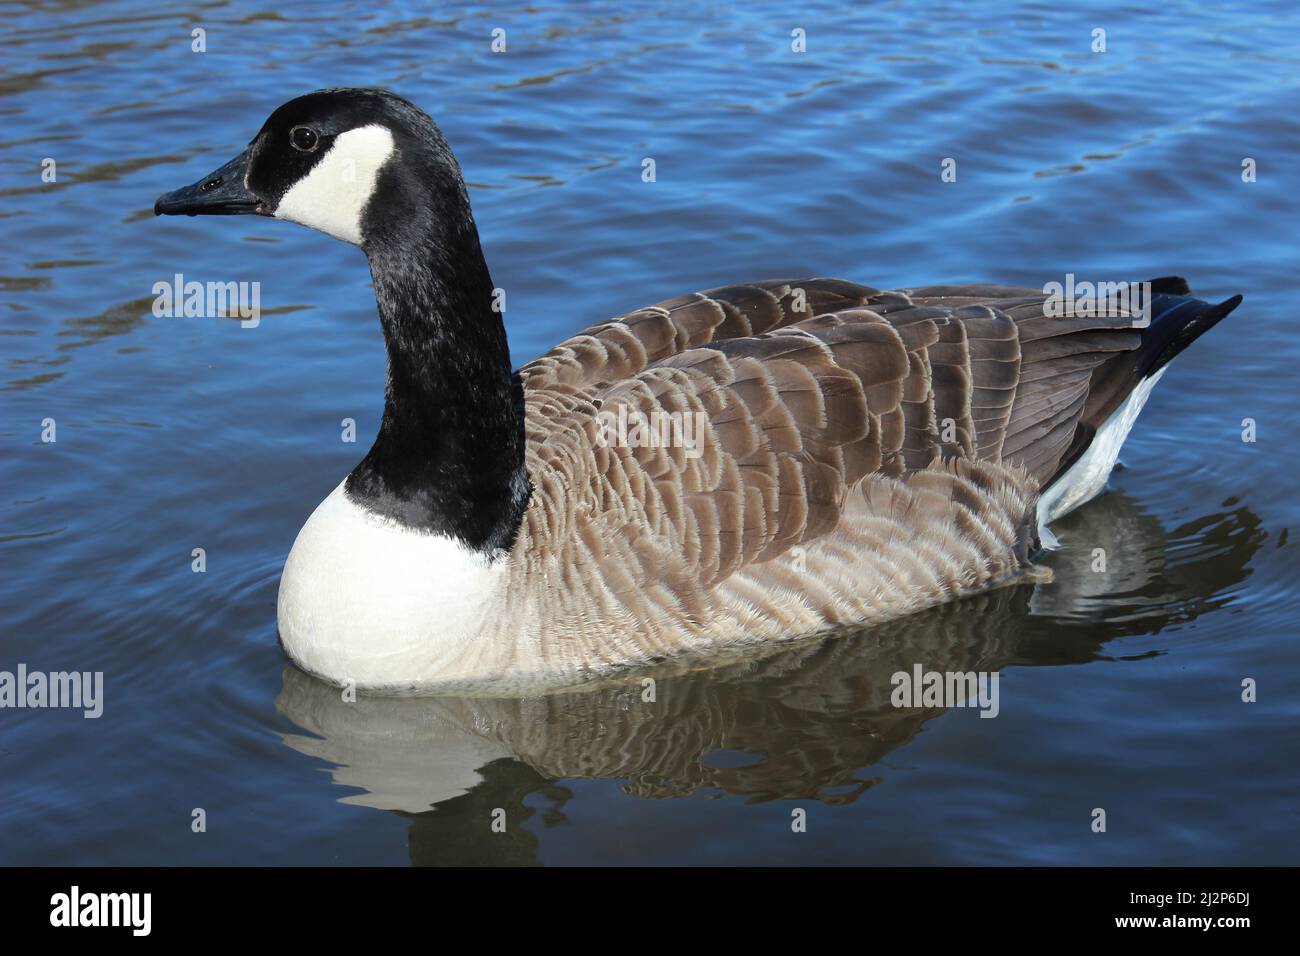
<point>803,722</point>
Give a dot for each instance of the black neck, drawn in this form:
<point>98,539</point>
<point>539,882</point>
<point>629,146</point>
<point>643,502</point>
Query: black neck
<point>449,457</point>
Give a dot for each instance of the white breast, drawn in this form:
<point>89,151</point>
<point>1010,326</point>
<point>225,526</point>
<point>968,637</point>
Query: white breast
<point>367,600</point>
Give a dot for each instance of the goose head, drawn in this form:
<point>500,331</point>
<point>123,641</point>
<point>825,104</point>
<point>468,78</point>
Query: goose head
<point>362,165</point>
<point>372,169</point>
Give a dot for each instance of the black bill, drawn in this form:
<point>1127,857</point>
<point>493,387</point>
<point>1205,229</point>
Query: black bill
<point>221,193</point>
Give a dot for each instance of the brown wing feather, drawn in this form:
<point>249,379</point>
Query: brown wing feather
<point>804,388</point>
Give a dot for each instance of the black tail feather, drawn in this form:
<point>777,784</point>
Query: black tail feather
<point>1177,320</point>
<point>1178,327</point>
<point>1170,285</point>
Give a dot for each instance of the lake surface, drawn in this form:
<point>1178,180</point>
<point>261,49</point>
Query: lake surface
<point>1119,690</point>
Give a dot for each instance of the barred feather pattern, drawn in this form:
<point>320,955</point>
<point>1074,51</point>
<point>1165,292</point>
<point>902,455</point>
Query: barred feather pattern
<point>864,454</point>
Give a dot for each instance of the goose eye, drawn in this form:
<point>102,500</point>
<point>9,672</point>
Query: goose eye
<point>303,138</point>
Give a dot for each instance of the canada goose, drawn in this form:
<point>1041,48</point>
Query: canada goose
<point>862,453</point>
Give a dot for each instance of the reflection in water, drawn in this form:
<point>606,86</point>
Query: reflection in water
<point>801,722</point>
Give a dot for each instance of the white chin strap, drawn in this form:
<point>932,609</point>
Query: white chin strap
<point>334,194</point>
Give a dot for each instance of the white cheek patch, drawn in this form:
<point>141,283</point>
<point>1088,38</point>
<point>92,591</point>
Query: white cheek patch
<point>334,194</point>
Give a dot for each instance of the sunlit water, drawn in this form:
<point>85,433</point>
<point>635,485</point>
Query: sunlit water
<point>1119,689</point>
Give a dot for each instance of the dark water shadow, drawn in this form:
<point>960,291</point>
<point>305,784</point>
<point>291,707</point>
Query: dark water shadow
<point>800,722</point>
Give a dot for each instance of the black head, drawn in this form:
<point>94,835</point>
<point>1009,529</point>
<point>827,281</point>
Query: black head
<point>353,163</point>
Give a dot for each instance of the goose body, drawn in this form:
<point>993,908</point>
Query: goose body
<point>803,454</point>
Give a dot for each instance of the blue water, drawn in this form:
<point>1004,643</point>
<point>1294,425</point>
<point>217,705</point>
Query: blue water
<point>1119,690</point>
